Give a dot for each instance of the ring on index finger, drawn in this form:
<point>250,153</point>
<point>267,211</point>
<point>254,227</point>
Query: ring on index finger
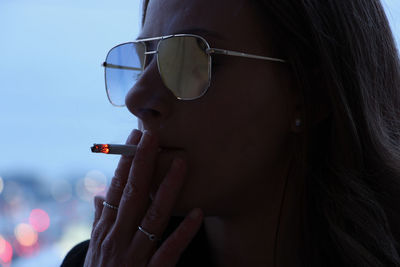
<point>108,205</point>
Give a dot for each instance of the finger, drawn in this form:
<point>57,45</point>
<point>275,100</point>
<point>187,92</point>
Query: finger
<point>156,219</point>
<point>107,217</point>
<point>170,251</point>
<point>118,182</point>
<point>98,208</point>
<point>135,197</point>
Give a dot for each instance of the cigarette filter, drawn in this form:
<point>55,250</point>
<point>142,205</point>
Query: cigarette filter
<point>126,150</point>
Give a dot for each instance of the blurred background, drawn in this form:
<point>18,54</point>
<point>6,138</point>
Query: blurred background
<point>53,107</point>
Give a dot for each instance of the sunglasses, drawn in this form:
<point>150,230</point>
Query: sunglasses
<point>183,60</point>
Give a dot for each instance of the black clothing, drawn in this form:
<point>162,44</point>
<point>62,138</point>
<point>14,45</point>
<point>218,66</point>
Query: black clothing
<point>196,254</point>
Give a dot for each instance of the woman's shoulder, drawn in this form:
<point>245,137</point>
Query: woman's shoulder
<point>76,256</point>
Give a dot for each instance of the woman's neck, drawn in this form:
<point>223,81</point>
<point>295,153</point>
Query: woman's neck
<point>250,239</point>
<point>241,241</point>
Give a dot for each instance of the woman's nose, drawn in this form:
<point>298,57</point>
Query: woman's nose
<point>149,100</point>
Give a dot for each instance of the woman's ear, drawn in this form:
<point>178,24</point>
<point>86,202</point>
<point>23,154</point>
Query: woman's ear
<point>297,118</point>
<point>312,104</point>
<point>297,123</point>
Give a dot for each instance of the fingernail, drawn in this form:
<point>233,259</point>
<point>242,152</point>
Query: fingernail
<point>135,132</point>
<point>196,213</point>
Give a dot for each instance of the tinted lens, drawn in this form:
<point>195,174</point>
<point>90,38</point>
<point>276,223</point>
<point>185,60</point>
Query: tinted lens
<point>124,64</point>
<point>184,66</point>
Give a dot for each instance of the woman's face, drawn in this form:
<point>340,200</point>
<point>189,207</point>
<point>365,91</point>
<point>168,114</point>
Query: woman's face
<point>235,138</point>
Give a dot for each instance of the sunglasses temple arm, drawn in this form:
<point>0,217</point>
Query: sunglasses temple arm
<point>112,66</point>
<point>240,54</point>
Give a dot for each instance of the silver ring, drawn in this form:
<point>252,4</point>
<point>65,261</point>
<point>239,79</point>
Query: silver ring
<point>105,204</point>
<point>152,237</point>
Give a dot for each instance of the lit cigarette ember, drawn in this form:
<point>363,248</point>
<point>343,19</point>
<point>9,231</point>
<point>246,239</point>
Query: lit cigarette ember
<point>126,150</point>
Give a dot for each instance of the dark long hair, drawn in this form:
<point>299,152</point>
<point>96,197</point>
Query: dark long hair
<point>343,51</point>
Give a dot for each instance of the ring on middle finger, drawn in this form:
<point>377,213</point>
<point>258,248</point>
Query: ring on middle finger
<point>152,237</point>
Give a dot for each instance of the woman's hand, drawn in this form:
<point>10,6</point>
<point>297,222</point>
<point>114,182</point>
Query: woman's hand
<point>115,239</point>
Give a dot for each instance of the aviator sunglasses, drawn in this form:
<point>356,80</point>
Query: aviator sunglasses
<point>183,60</point>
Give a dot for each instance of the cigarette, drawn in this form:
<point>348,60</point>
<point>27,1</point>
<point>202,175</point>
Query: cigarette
<point>126,150</point>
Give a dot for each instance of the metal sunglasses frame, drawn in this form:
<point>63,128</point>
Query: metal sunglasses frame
<point>209,51</point>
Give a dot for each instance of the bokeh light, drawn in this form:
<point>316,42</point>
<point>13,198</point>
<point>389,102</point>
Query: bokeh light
<point>1,184</point>
<point>25,234</point>
<point>95,182</point>
<point>61,190</point>
<point>24,251</point>
<point>39,220</point>
<point>6,251</point>
<point>2,244</point>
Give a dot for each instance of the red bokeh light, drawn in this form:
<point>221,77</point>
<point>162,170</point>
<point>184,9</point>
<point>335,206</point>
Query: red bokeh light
<point>25,251</point>
<point>40,220</point>
<point>6,251</point>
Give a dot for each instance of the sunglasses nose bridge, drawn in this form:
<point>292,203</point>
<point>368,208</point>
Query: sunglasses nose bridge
<point>149,57</point>
<point>151,52</point>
